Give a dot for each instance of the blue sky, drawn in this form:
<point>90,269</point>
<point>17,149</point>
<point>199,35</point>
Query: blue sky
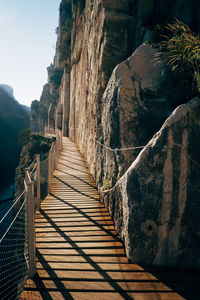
<point>27,33</point>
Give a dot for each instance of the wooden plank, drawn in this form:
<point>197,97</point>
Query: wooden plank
<point>80,258</point>
<point>73,223</point>
<point>79,245</point>
<point>57,239</point>
<point>122,296</point>
<point>72,219</point>
<point>86,251</point>
<point>80,233</point>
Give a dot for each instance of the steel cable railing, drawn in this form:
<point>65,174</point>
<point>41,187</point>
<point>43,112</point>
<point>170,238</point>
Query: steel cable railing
<point>17,227</point>
<point>107,147</point>
<point>53,155</point>
<point>13,250</point>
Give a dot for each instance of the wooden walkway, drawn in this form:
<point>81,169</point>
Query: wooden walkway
<point>79,254</point>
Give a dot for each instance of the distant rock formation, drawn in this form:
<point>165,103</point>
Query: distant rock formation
<point>13,118</point>
<point>8,89</point>
<point>39,110</point>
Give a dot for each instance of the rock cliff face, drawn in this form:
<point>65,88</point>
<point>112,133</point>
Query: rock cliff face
<point>39,110</point>
<point>102,35</point>
<point>137,100</point>
<point>96,48</point>
<point>13,118</point>
<point>113,95</point>
<point>155,205</point>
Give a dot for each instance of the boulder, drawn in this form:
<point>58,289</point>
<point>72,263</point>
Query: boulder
<point>135,105</point>
<point>155,205</point>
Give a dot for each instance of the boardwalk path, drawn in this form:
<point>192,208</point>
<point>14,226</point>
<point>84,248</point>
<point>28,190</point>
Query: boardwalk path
<point>79,254</point>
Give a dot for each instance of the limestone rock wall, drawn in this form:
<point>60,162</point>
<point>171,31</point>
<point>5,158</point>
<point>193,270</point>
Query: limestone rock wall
<point>103,34</point>
<point>96,48</point>
<point>137,100</point>
<point>155,205</point>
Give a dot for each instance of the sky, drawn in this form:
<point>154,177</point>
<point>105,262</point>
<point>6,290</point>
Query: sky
<point>27,39</point>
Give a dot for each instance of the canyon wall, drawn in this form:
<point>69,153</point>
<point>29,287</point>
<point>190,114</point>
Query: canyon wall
<point>102,35</point>
<point>13,118</point>
<point>112,99</point>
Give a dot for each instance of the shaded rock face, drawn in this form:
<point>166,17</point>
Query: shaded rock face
<point>156,205</point>
<point>42,112</point>
<point>13,118</point>
<point>64,33</point>
<point>150,15</point>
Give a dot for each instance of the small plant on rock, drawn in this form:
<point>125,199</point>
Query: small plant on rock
<point>107,184</point>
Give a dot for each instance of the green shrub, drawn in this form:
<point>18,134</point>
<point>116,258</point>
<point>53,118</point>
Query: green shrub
<point>181,48</point>
<point>24,136</point>
<point>39,144</point>
<point>107,184</point>
<point>56,76</point>
<point>68,26</point>
<point>35,144</point>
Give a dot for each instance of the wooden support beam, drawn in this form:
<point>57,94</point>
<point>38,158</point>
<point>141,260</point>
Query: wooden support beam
<point>31,229</point>
<point>38,181</point>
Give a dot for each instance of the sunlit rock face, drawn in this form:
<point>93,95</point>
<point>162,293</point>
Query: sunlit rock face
<point>155,205</point>
<point>13,118</point>
<point>135,106</point>
<point>93,38</point>
<point>103,34</point>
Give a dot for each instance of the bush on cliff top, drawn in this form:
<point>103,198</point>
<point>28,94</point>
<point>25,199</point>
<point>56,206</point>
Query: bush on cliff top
<point>181,48</point>
<point>55,76</point>
<point>34,144</point>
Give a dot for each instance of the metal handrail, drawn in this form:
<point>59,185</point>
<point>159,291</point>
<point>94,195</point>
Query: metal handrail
<point>54,154</point>
<point>14,204</point>
<point>17,214</point>
<point>21,216</point>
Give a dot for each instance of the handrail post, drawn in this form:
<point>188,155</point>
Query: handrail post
<point>49,170</point>
<point>60,142</point>
<point>26,175</point>
<point>53,158</point>
<point>38,180</point>
<point>31,229</point>
<point>55,155</point>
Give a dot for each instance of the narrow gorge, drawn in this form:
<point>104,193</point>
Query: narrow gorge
<point>136,123</point>
<point>14,117</point>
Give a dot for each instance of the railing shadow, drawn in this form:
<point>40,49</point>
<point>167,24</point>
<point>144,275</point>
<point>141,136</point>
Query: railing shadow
<point>77,177</point>
<point>72,162</point>
<point>78,170</point>
<point>74,158</point>
<point>94,266</point>
<point>84,214</point>
<point>75,189</point>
